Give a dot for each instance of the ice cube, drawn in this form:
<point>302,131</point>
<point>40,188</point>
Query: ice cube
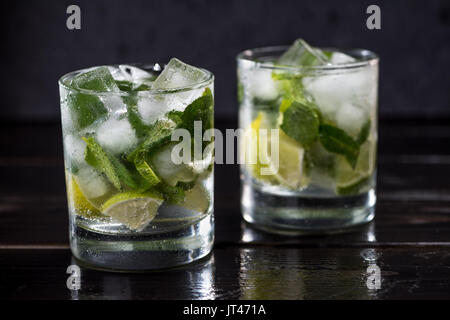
<point>74,149</point>
<point>331,92</point>
<point>351,118</point>
<point>116,135</point>
<point>326,92</point>
<point>178,74</point>
<point>114,103</point>
<point>260,84</point>
<point>302,54</point>
<point>341,58</point>
<point>96,79</point>
<point>131,74</point>
<point>92,183</point>
<point>152,108</point>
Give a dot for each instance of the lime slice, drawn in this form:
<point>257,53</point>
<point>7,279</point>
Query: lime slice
<point>290,172</point>
<point>146,171</point>
<point>172,173</point>
<point>351,181</point>
<point>79,202</point>
<point>94,186</point>
<point>197,199</point>
<point>290,162</point>
<point>133,209</point>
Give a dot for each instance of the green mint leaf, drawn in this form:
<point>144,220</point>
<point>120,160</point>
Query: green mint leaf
<point>96,157</point>
<point>266,105</point>
<point>158,135</point>
<point>291,85</point>
<point>301,123</point>
<point>175,194</point>
<point>118,173</point>
<point>128,176</point>
<point>124,85</point>
<point>364,133</point>
<point>336,140</point>
<point>136,121</point>
<point>175,116</point>
<point>201,109</point>
<point>131,100</point>
<point>85,109</point>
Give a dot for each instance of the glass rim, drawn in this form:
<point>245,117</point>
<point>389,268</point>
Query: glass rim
<point>63,82</point>
<point>252,55</point>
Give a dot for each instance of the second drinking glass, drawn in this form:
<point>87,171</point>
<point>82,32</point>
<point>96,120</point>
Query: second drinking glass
<point>309,117</point>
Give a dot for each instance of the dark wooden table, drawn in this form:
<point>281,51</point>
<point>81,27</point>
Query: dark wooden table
<point>409,240</point>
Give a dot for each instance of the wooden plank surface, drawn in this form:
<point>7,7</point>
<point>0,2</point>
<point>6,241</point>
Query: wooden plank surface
<point>409,239</point>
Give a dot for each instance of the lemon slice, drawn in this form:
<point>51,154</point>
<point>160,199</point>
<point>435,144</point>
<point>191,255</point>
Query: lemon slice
<point>349,180</point>
<point>133,209</point>
<point>288,170</point>
<point>79,202</point>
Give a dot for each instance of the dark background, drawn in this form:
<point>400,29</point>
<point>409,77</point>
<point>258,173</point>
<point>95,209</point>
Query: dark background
<point>37,48</point>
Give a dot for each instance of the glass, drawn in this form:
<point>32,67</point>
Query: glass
<point>323,180</point>
<point>131,207</point>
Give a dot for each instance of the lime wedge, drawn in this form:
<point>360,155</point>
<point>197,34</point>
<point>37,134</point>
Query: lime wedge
<point>197,199</point>
<point>290,163</point>
<point>172,173</point>
<point>135,210</point>
<point>146,171</point>
<point>353,181</point>
<point>79,202</point>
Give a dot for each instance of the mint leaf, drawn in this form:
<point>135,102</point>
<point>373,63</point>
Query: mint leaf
<point>128,176</point>
<point>364,133</point>
<point>158,134</point>
<point>336,140</point>
<point>175,116</point>
<point>136,121</point>
<point>291,85</point>
<point>301,123</point>
<point>85,109</point>
<point>201,109</point>
<point>266,105</point>
<point>96,157</point>
<point>117,172</point>
<point>131,100</point>
<point>176,194</point>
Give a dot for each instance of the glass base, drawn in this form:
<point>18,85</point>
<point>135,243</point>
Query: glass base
<point>304,214</point>
<point>142,252</point>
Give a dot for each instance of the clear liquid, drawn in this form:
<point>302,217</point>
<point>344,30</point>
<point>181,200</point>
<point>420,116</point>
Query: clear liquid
<point>107,245</point>
<point>310,211</point>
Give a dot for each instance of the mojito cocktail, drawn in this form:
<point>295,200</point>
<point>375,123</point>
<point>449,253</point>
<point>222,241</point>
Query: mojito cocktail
<point>131,206</point>
<point>309,117</point>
